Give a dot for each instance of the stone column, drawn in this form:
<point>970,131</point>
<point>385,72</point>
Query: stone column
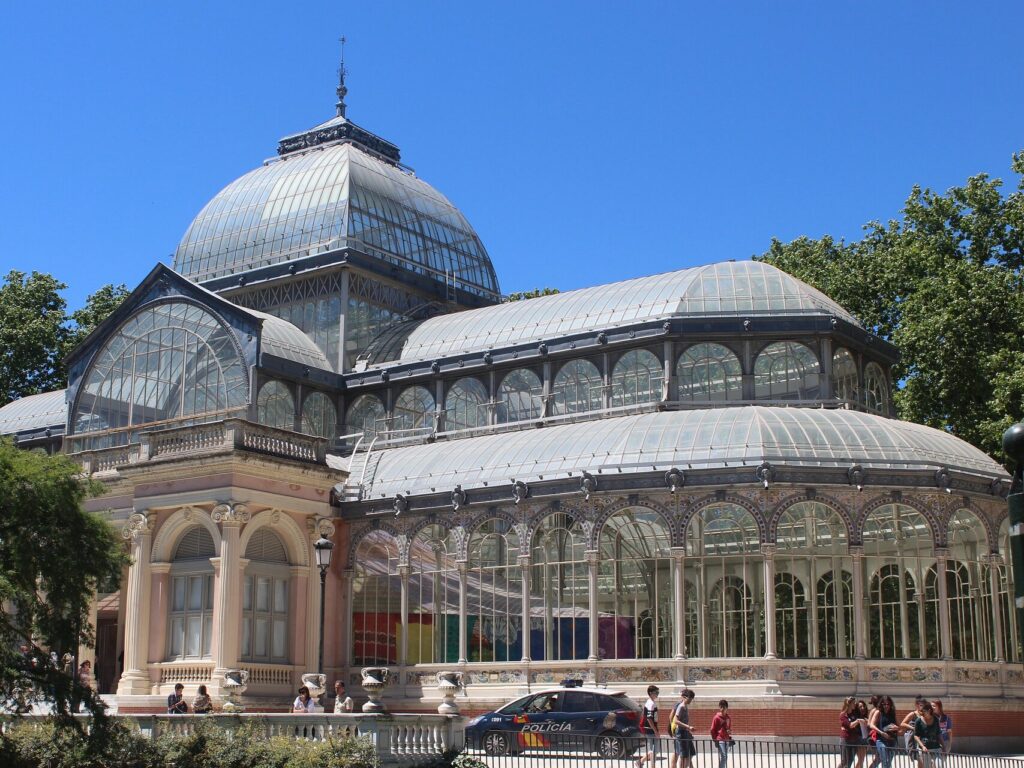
<point>768,552</point>
<point>227,603</point>
<point>524,570</point>
<point>945,633</point>
<point>298,584</point>
<point>859,619</point>
<point>679,598</point>
<point>463,567</point>
<point>592,561</point>
<point>995,561</point>
<point>348,586</point>
<point>160,597</point>
<point>403,643</point>
<point>904,611</point>
<point>135,677</point>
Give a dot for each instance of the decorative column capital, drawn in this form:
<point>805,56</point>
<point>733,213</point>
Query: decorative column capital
<point>678,553</point>
<point>138,524</point>
<point>942,554</point>
<point>231,513</point>
<point>524,561</point>
<point>768,550</point>
<point>856,551</point>
<point>996,559</point>
<point>592,556</point>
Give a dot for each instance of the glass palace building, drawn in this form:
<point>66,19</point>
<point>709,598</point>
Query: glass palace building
<point>693,477</point>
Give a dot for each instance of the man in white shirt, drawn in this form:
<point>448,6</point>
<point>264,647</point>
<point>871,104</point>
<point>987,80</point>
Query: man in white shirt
<point>342,703</point>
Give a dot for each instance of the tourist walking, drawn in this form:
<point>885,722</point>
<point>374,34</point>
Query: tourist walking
<point>202,704</point>
<point>884,730</point>
<point>176,704</point>
<point>682,732</point>
<point>945,726</point>
<point>342,702</point>
<point>649,727</point>
<point>721,733</point>
<point>928,736</point>
<point>303,702</point>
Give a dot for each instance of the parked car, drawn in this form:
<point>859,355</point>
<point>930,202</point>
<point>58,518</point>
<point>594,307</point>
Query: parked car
<point>570,717</point>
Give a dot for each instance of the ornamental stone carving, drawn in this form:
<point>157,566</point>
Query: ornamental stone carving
<point>138,524</point>
<point>231,513</point>
<point>322,526</point>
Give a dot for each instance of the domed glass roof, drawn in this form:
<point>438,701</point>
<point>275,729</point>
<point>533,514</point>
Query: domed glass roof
<point>324,197</point>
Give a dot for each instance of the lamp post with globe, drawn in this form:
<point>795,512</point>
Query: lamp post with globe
<point>323,548</point>
<point>1013,444</point>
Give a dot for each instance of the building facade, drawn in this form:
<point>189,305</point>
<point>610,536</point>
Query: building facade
<point>695,477</point>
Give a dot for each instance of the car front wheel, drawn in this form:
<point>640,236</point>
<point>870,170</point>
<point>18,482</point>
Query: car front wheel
<point>496,743</point>
<point>610,746</point>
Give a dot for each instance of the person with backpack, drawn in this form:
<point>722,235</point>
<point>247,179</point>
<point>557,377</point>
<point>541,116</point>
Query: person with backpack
<point>649,727</point>
<point>721,733</point>
<point>682,732</point>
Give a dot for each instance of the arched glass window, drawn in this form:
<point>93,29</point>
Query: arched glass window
<point>723,560</point>
<point>969,589</point>
<point>191,596</point>
<point>167,362</point>
<point>319,416</point>
<point>414,409</point>
<point>433,598</point>
<point>366,415</point>
<point>265,599</point>
<point>494,600</point>
<point>903,620</point>
<point>465,405</point>
<point>376,600</point>
<point>844,377</point>
<point>559,591</point>
<point>786,370</point>
<point>812,547</point>
<point>275,406</point>
<point>1008,613</point>
<point>876,390</point>
<point>709,372</point>
<point>637,378</point>
<point>578,388</point>
<point>519,396</point>
<point>635,605</point>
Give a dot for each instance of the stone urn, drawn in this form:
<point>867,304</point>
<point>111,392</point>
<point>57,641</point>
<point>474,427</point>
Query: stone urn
<point>317,684</point>
<point>235,683</point>
<point>375,680</point>
<point>449,683</point>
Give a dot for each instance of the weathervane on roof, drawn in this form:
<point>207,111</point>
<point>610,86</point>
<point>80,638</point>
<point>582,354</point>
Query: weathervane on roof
<point>342,91</point>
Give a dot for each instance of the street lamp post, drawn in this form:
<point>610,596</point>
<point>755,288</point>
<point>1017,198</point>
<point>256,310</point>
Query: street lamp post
<point>323,548</point>
<point>1013,444</point>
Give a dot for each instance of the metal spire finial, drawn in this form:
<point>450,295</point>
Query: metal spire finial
<point>342,90</point>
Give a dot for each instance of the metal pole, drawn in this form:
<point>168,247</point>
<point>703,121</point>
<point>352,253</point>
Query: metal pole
<point>323,602</point>
<point>1013,444</point>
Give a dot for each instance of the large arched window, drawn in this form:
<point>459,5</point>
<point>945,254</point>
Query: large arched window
<point>265,599</point>
<point>465,405</point>
<point>899,551</point>
<point>844,377</point>
<point>167,362</point>
<point>1008,613</point>
<point>723,560</point>
<point>876,389</point>
<point>319,416</point>
<point>414,409</point>
<point>433,598</point>
<point>969,588</point>
<point>811,550</point>
<point>635,605</point>
<point>366,415</point>
<point>559,591</point>
<point>637,378</point>
<point>494,600</point>
<point>191,596</point>
<point>786,370</point>
<point>577,388</point>
<point>275,406</point>
<point>709,373</point>
<point>376,600</point>
<point>519,396</point>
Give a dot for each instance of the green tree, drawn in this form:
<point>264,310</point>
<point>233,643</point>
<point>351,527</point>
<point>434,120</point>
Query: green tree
<point>53,558</point>
<point>520,295</point>
<point>944,284</point>
<point>98,307</point>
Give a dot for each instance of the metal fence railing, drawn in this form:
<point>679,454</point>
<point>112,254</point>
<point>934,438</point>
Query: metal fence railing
<point>514,749</point>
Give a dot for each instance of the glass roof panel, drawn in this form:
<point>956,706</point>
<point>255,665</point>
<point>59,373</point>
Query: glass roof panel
<point>34,412</point>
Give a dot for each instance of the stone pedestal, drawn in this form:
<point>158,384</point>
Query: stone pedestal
<point>449,683</point>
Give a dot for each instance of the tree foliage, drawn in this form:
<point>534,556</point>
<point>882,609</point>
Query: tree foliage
<point>53,558</point>
<point>37,333</point>
<point>521,295</point>
<point>944,284</point>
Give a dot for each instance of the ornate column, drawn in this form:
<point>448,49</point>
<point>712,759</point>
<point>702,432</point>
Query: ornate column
<point>297,586</point>
<point>679,597</point>
<point>592,561</point>
<point>348,587</point>
<point>768,552</point>
<point>812,597</point>
<point>403,642</point>
<point>135,678</point>
<point>227,604</point>
<point>945,634</point>
<point>904,611</point>
<point>463,567</point>
<point>995,561</point>
<point>159,576</point>
<point>859,619</point>
<point>524,570</point>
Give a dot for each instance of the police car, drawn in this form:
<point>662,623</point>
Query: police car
<point>569,717</point>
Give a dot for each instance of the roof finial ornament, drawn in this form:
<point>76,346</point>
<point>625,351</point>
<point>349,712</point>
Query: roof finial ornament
<point>342,91</point>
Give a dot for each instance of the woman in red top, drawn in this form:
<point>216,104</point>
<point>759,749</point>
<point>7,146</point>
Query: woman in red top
<point>849,731</point>
<point>721,732</point>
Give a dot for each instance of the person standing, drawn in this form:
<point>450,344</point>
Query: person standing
<point>721,733</point>
<point>682,732</point>
<point>945,726</point>
<point>176,704</point>
<point>884,730</point>
<point>649,726</point>
<point>849,732</point>
<point>928,736</point>
<point>342,702</point>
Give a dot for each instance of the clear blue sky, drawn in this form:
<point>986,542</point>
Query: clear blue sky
<point>585,141</point>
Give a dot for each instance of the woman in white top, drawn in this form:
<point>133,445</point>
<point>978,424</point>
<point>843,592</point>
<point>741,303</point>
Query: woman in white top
<point>303,702</point>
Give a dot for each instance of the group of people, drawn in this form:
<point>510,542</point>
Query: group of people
<point>202,704</point>
<point>306,703</point>
<point>925,734</point>
<point>683,746</point>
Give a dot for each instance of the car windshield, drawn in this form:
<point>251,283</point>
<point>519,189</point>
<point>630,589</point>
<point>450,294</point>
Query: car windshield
<point>517,706</point>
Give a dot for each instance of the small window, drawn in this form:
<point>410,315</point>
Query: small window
<point>580,701</point>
